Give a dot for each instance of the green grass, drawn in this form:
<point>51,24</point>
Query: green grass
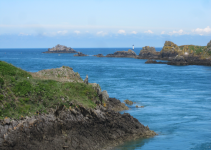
<point>22,96</point>
<point>196,49</point>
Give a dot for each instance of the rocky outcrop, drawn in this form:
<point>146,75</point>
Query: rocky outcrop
<point>128,53</point>
<point>80,54</point>
<point>62,74</point>
<point>148,53</point>
<point>71,129</point>
<point>169,51</point>
<point>179,61</point>
<point>86,80</point>
<point>209,47</point>
<point>99,55</point>
<point>60,49</point>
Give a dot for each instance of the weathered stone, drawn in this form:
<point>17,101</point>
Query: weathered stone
<point>105,95</point>
<point>86,80</point>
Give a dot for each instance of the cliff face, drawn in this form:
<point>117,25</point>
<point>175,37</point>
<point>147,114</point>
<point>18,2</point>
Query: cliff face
<point>148,53</point>
<point>128,53</point>
<point>61,49</point>
<point>169,51</point>
<point>71,129</point>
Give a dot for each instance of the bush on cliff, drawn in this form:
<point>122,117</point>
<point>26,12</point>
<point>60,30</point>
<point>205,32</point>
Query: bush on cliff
<point>22,95</point>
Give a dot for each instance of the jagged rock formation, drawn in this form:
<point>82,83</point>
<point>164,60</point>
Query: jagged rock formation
<point>86,80</point>
<point>71,129</point>
<point>62,74</point>
<point>209,46</point>
<point>148,53</point>
<point>99,55</point>
<point>60,49</point>
<point>169,51</point>
<point>179,61</point>
<point>80,54</point>
<point>128,53</point>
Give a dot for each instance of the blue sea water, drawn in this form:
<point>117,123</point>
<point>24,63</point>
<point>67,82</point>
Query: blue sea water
<point>177,99</point>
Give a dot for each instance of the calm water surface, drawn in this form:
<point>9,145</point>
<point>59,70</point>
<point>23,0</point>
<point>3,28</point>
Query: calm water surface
<point>177,99</point>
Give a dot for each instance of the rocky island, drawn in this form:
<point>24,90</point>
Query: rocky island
<point>130,53</point>
<point>47,110</point>
<point>60,49</point>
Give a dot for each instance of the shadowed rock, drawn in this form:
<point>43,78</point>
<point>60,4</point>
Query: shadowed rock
<point>128,53</point>
<point>80,54</point>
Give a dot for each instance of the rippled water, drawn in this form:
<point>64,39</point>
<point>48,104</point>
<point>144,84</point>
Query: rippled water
<point>177,99</point>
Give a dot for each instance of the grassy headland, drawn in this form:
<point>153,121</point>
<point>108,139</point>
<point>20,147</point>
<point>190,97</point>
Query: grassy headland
<point>23,95</point>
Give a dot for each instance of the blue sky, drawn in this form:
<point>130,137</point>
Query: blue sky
<point>103,23</point>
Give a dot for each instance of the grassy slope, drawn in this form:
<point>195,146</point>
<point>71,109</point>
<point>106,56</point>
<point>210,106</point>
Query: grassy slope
<point>23,96</point>
<point>198,50</point>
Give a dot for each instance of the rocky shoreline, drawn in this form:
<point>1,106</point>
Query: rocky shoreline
<point>72,128</point>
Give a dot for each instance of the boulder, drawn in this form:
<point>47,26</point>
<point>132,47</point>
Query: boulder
<point>148,53</point>
<point>99,55</point>
<point>80,54</point>
<point>128,102</point>
<point>105,95</point>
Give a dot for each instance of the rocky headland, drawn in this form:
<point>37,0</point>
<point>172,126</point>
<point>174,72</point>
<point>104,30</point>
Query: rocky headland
<point>130,53</point>
<point>148,53</point>
<point>60,49</point>
<point>50,114</point>
<point>80,54</point>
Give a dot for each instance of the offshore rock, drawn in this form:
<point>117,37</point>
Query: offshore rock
<point>80,54</point>
<point>151,61</point>
<point>128,102</point>
<point>169,51</point>
<point>128,53</point>
<point>99,55</point>
<point>60,49</point>
<point>179,61</point>
<point>72,129</point>
<point>116,105</point>
<point>148,53</point>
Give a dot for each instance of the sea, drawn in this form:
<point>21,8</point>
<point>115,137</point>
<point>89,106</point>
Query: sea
<point>176,99</point>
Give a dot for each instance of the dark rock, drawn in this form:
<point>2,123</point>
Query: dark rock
<point>99,55</point>
<point>139,106</point>
<point>128,53</point>
<point>116,105</point>
<point>73,129</point>
<point>128,102</point>
<point>151,61</point>
<point>179,61</point>
<point>80,54</point>
<point>60,49</point>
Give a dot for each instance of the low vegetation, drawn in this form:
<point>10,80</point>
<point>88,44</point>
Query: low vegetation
<point>22,95</point>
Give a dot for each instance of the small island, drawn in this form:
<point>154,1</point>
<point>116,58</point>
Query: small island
<point>60,49</point>
<point>129,53</point>
<point>80,54</point>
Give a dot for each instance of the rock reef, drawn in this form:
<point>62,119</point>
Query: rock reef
<point>80,54</point>
<point>60,49</point>
<point>99,55</point>
<point>148,53</point>
<point>128,53</point>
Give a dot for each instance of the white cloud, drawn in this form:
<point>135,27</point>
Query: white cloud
<point>180,32</point>
<point>102,33</point>
<point>200,31</point>
<point>77,32</point>
<point>121,32</point>
<point>62,32</point>
<point>23,34</point>
<point>163,32</point>
<point>148,31</point>
<point>134,32</point>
